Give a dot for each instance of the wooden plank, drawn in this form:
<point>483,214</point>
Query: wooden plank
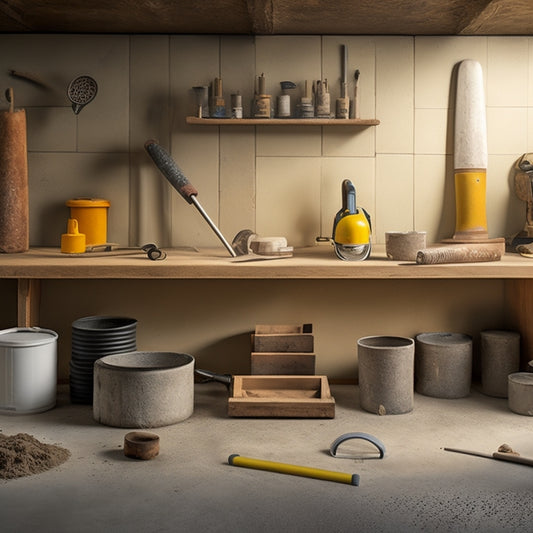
<point>281,397</point>
<point>270,409</point>
<point>236,387</point>
<point>283,363</point>
<point>281,121</point>
<point>269,17</point>
<point>262,16</point>
<point>156,16</point>
<point>283,328</point>
<point>497,17</point>
<point>28,302</point>
<point>278,383</point>
<point>307,263</point>
<point>268,328</point>
<point>291,342</point>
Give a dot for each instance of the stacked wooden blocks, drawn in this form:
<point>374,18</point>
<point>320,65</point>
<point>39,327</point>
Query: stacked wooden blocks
<point>284,384</point>
<point>283,350</point>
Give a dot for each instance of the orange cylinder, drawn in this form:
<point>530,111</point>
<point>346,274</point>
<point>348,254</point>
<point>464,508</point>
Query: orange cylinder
<point>470,209</point>
<point>91,214</point>
<point>14,204</point>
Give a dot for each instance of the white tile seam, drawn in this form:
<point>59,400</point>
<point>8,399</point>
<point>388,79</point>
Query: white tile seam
<point>413,168</point>
<point>528,89</point>
<point>375,135</point>
<point>255,158</point>
<point>320,196</point>
<point>413,178</point>
<point>132,230</point>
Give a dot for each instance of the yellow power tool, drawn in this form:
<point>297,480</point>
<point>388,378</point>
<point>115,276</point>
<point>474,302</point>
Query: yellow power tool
<point>352,228</point>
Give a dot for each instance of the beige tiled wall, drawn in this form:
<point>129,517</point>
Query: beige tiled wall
<point>274,180</point>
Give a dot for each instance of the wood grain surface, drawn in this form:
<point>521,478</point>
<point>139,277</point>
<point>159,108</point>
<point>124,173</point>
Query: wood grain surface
<point>307,263</point>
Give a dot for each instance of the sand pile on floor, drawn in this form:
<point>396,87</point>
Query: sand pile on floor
<point>23,455</point>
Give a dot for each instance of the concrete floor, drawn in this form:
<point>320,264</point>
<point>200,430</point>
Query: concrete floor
<point>190,487</point>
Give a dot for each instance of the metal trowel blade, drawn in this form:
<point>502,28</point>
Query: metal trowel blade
<point>352,252</point>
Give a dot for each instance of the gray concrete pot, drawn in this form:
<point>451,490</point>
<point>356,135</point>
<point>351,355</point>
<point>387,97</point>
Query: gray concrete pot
<point>143,389</point>
<point>443,365</point>
<point>386,374</point>
<point>500,356</point>
<point>521,393</point>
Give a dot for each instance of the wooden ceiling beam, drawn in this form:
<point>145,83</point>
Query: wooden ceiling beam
<point>476,14</point>
<point>270,17</point>
<point>262,16</point>
<point>500,17</point>
<point>11,17</point>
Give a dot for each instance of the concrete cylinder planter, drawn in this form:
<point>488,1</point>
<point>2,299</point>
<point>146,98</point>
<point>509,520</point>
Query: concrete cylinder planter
<point>500,356</point>
<point>521,393</point>
<point>143,389</point>
<point>386,374</point>
<point>443,365</point>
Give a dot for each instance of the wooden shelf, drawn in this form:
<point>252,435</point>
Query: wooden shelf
<point>282,121</point>
<point>317,262</point>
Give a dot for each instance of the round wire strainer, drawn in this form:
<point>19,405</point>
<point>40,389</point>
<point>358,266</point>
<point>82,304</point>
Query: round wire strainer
<point>81,91</point>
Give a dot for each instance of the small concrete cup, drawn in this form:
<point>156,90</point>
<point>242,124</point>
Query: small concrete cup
<point>404,245</point>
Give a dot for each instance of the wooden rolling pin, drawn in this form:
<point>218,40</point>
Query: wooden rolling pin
<point>14,202</point>
<point>471,253</point>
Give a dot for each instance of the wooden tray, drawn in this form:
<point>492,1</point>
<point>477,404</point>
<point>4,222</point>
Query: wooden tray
<point>281,397</point>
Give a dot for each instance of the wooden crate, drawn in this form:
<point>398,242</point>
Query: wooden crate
<point>281,397</point>
<point>283,338</point>
<point>281,363</point>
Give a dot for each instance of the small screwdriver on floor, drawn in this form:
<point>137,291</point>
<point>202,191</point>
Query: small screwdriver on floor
<point>501,455</point>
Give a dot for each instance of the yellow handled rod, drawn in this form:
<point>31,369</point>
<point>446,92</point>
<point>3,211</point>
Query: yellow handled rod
<point>295,470</point>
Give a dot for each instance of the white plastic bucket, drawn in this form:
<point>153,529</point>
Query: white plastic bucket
<point>28,370</point>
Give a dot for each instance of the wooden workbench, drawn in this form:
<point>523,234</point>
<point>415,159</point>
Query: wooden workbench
<point>317,262</point>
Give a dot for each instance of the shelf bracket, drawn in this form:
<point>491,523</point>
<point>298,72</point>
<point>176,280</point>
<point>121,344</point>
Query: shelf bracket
<point>28,302</point>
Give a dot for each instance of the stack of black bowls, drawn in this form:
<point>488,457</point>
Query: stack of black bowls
<point>94,337</point>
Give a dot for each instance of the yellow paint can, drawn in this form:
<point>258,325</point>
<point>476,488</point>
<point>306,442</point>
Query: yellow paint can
<point>91,214</point>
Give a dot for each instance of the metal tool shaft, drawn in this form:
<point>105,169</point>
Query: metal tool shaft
<point>499,456</point>
<point>469,452</point>
<point>179,181</point>
<point>213,226</point>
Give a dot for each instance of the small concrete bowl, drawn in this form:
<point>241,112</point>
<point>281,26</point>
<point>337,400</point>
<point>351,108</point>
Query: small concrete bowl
<point>404,245</point>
